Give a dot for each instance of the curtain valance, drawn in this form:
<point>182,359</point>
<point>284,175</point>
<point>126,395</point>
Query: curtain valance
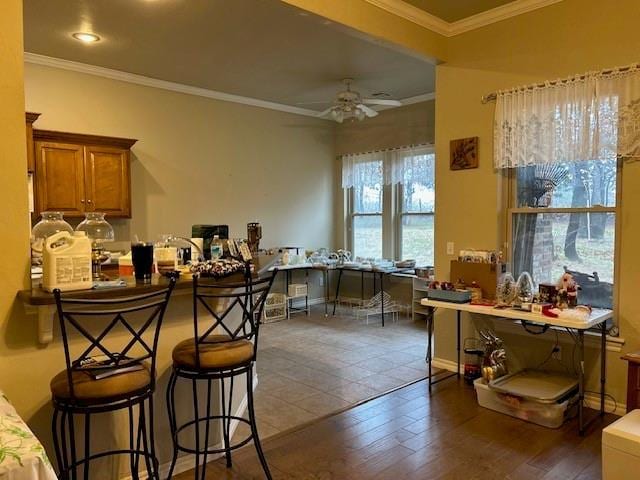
<point>595,116</point>
<point>390,166</point>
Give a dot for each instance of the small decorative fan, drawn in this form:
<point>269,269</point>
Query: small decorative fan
<point>547,178</point>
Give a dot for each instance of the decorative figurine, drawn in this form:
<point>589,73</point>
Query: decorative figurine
<point>567,292</point>
<point>506,290</point>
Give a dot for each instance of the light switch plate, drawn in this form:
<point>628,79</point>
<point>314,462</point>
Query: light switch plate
<point>449,248</point>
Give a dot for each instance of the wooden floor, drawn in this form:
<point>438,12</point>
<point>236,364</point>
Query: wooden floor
<point>410,435</point>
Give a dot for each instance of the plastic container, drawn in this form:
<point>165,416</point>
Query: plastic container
<point>453,296</point>
<point>51,223</point>
<point>67,262</point>
<point>296,290</point>
<point>550,415</point>
<point>275,308</point>
<point>125,265</point>
<point>621,448</point>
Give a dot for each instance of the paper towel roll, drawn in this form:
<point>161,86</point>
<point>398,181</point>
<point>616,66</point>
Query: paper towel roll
<point>194,251</point>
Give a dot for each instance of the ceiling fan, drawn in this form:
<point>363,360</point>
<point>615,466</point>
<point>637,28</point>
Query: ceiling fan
<point>349,104</point>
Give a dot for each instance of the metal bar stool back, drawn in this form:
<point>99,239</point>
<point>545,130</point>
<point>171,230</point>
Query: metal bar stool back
<point>226,325</point>
<point>110,350</point>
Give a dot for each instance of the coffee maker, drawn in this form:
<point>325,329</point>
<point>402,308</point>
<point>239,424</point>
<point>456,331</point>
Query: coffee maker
<point>254,234</point>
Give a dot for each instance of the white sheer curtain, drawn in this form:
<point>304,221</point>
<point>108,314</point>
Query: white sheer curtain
<point>591,117</point>
<point>398,165</point>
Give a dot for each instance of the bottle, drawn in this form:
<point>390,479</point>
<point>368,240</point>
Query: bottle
<point>67,262</point>
<point>52,222</point>
<point>216,248</point>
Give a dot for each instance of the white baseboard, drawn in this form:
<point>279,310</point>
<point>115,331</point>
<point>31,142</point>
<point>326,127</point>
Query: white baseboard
<point>591,399</point>
<point>446,365</point>
<point>187,462</point>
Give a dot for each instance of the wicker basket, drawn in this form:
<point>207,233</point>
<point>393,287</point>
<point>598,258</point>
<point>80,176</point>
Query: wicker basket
<point>297,290</point>
<point>275,308</point>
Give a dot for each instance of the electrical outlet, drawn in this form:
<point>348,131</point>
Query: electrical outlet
<point>450,248</point>
<point>557,352</point>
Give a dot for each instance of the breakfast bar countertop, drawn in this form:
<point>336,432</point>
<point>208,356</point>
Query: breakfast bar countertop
<point>36,296</point>
<point>42,303</point>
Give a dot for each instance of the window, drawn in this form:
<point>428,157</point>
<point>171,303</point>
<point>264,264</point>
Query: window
<point>562,217</point>
<point>417,207</point>
<point>367,211</point>
<point>390,204</point>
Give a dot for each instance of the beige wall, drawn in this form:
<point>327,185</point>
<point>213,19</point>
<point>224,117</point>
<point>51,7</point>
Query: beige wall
<point>14,227</point>
<point>570,37</point>
<point>199,160</point>
<point>398,127</point>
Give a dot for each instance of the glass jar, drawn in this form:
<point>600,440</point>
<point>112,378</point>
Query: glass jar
<point>99,231</point>
<point>96,227</point>
<point>50,223</point>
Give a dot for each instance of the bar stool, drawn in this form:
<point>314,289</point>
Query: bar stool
<point>222,348</point>
<point>88,385</point>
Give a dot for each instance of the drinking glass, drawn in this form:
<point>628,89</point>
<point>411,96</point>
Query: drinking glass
<point>142,259</point>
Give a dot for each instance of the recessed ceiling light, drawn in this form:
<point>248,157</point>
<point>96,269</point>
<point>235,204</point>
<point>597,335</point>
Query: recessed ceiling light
<point>86,37</point>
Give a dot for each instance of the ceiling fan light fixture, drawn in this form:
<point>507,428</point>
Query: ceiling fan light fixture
<point>359,114</point>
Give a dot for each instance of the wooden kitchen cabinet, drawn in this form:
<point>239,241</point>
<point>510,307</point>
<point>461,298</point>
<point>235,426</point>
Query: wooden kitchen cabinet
<point>30,117</point>
<point>78,173</point>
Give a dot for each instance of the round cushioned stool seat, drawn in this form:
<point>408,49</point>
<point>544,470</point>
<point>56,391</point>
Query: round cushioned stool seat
<point>219,352</point>
<point>90,391</point>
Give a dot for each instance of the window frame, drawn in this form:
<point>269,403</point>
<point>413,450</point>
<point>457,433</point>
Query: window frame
<point>351,215</point>
<point>399,214</point>
<point>392,214</point>
<point>510,209</point>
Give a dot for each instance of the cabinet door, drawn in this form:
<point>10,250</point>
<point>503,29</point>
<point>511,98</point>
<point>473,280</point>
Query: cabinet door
<point>107,181</point>
<point>60,178</point>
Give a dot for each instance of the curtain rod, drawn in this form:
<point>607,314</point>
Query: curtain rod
<point>389,149</point>
<point>491,97</point>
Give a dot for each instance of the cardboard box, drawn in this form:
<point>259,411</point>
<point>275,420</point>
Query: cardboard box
<point>486,275</point>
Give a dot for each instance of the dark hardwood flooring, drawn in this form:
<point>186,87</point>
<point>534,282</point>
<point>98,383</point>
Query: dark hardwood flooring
<point>409,434</point>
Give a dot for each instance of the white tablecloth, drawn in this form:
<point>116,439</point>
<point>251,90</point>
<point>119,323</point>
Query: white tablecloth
<point>22,456</point>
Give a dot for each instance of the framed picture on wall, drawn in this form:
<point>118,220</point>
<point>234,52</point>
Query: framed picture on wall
<point>463,153</point>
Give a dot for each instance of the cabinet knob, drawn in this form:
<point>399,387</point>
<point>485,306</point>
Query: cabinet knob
<point>88,201</point>
<point>82,200</point>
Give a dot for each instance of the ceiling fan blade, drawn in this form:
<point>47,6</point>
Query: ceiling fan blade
<point>326,112</point>
<point>313,103</point>
<point>380,101</point>
<point>370,112</point>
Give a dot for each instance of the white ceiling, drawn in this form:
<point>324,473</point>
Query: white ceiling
<point>262,49</point>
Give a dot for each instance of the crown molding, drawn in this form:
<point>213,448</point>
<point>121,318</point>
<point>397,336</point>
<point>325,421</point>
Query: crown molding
<point>513,9</point>
<point>162,84</point>
<point>450,29</point>
<point>414,14</point>
<point>112,74</point>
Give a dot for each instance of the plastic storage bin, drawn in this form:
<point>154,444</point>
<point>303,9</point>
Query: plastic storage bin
<point>621,448</point>
<point>297,290</point>
<point>453,296</point>
<point>275,308</point>
<point>551,415</point>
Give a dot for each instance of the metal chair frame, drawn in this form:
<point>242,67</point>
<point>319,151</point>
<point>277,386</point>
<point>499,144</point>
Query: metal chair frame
<point>64,435</point>
<point>250,296</point>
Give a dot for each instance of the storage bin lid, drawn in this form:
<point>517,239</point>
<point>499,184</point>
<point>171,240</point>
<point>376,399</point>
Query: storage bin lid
<point>624,434</point>
<point>544,387</point>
